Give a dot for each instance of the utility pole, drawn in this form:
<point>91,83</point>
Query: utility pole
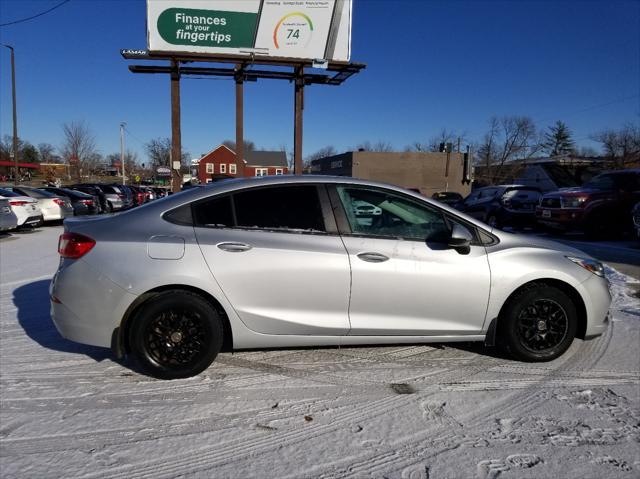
<point>239,122</point>
<point>122,125</point>
<point>297,125</point>
<point>15,121</point>
<point>176,133</point>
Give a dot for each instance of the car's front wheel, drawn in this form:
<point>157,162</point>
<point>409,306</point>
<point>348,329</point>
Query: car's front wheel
<point>177,334</point>
<point>539,323</point>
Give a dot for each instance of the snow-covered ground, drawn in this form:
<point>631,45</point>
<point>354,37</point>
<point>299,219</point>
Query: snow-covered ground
<point>450,411</point>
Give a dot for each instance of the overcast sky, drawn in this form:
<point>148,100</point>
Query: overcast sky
<point>430,65</point>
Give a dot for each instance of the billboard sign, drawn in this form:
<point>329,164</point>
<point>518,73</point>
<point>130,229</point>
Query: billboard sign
<point>163,171</point>
<point>298,29</point>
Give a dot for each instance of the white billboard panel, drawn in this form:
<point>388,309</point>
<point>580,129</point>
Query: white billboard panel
<point>301,29</point>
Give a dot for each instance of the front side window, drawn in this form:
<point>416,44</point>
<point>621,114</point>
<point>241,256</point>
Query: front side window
<point>384,214</point>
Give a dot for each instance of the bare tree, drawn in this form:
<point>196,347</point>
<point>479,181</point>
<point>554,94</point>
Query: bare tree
<point>46,152</point>
<point>159,153</point>
<point>621,146</point>
<point>417,146</point>
<point>79,148</point>
<point>509,138</point>
<point>248,145</point>
<point>321,153</point>
<point>444,137</point>
<point>130,161</point>
<point>379,146</point>
<point>586,152</point>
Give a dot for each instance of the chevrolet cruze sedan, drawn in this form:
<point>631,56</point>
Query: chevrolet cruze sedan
<point>286,262</point>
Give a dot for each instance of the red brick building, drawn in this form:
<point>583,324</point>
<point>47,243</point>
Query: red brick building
<point>221,162</point>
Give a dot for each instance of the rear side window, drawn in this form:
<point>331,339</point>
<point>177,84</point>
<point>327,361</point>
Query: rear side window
<point>286,208</point>
<point>214,213</point>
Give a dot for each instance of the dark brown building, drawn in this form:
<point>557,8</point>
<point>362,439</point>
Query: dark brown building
<point>427,172</point>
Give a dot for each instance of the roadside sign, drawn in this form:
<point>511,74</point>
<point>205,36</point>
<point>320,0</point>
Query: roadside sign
<point>307,29</point>
<point>163,171</point>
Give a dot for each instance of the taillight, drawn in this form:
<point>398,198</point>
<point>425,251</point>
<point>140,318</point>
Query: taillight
<point>74,245</point>
<point>86,202</point>
<point>18,203</point>
<point>58,201</point>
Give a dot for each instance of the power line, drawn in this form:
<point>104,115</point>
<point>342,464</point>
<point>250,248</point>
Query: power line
<point>134,136</point>
<point>35,16</point>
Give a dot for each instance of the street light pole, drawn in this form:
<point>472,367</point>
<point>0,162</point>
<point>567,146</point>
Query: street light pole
<point>15,121</point>
<point>122,150</point>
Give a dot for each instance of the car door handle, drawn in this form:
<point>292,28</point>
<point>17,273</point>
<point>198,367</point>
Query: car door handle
<point>373,257</point>
<point>234,247</point>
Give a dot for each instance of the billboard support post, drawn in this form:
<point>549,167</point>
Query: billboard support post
<point>176,141</point>
<point>239,122</point>
<point>297,127</point>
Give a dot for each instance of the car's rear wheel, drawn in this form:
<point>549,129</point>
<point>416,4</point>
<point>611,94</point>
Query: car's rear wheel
<point>174,335</point>
<point>539,323</point>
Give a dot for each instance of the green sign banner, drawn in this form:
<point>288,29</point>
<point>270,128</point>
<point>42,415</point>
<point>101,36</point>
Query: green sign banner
<point>207,28</point>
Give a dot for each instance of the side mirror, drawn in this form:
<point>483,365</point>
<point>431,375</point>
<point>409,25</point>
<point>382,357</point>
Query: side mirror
<point>460,239</point>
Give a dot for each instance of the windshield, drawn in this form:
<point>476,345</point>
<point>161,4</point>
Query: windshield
<point>600,182</point>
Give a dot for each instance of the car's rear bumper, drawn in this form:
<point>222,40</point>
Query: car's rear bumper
<point>55,215</point>
<point>85,305</point>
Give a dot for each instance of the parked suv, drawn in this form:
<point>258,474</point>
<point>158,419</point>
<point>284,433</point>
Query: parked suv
<point>600,206</point>
<point>503,205</point>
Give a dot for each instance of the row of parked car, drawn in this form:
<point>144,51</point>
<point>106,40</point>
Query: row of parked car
<point>27,206</point>
<point>607,205</point>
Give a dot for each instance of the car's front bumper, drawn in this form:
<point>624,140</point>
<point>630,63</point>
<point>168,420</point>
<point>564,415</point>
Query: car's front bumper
<point>597,299</point>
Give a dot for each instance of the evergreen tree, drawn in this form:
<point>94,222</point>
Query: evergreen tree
<point>558,141</point>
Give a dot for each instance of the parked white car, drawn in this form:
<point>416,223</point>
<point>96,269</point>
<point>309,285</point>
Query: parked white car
<point>53,207</point>
<point>25,208</point>
<point>8,219</point>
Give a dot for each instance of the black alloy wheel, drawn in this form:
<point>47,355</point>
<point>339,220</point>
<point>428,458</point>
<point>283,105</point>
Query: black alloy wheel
<point>174,335</point>
<point>538,323</point>
<point>542,325</point>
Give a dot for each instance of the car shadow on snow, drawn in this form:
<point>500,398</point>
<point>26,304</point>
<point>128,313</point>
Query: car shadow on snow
<point>32,302</point>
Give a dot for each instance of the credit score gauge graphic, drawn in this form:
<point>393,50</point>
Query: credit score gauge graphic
<point>296,29</point>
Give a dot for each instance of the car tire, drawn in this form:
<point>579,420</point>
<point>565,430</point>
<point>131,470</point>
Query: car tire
<point>176,334</point>
<point>538,324</point>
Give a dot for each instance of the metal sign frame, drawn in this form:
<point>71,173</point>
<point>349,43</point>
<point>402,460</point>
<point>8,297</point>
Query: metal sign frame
<point>242,69</point>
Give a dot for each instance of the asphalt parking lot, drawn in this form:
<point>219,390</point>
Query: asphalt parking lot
<point>418,411</point>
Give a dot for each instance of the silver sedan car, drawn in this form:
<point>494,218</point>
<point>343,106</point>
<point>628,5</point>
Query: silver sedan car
<point>285,262</point>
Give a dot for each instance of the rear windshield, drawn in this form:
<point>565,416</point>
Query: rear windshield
<point>35,193</point>
<point>522,194</point>
<point>7,193</point>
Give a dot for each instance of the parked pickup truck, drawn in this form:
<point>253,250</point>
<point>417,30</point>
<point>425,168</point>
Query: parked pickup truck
<point>600,207</point>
